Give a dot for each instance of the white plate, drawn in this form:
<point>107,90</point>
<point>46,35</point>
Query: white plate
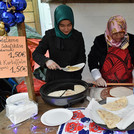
<point>17,98</point>
<point>56,116</point>
<point>80,65</point>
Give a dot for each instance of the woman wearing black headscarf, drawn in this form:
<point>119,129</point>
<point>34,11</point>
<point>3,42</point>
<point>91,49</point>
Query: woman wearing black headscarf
<point>65,46</point>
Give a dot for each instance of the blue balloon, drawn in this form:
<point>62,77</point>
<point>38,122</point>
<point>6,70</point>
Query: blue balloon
<point>7,28</point>
<point>3,8</point>
<point>19,17</point>
<point>3,5</point>
<point>8,18</point>
<point>20,5</point>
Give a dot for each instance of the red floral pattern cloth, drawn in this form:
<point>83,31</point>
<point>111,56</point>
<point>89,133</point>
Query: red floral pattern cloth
<point>79,124</point>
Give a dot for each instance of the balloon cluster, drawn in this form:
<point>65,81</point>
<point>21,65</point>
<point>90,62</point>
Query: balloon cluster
<point>11,14</point>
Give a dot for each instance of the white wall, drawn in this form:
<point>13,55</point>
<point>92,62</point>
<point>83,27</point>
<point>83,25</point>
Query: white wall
<point>91,20</point>
<point>45,17</point>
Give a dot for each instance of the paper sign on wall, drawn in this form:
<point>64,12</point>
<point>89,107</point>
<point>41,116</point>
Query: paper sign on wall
<point>13,56</point>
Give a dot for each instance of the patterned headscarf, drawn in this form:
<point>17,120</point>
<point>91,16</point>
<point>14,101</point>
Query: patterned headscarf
<point>114,25</point>
<point>63,12</point>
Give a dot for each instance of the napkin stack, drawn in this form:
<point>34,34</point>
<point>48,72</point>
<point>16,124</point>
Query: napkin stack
<point>21,110</point>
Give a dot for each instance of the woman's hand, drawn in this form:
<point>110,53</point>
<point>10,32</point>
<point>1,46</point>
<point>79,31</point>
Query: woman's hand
<point>101,82</point>
<point>52,65</point>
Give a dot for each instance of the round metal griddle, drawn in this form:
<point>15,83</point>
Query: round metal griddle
<point>64,84</point>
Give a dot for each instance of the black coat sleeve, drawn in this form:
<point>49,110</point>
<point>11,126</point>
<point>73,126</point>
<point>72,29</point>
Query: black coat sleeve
<point>97,53</point>
<point>131,47</point>
<point>81,54</point>
<point>39,53</point>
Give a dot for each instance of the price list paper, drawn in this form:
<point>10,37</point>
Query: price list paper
<point>13,56</point>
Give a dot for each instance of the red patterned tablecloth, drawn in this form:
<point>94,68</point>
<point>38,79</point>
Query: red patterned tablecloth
<point>79,124</point>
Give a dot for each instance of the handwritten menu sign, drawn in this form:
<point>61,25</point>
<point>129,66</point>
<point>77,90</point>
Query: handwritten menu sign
<point>13,56</point>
